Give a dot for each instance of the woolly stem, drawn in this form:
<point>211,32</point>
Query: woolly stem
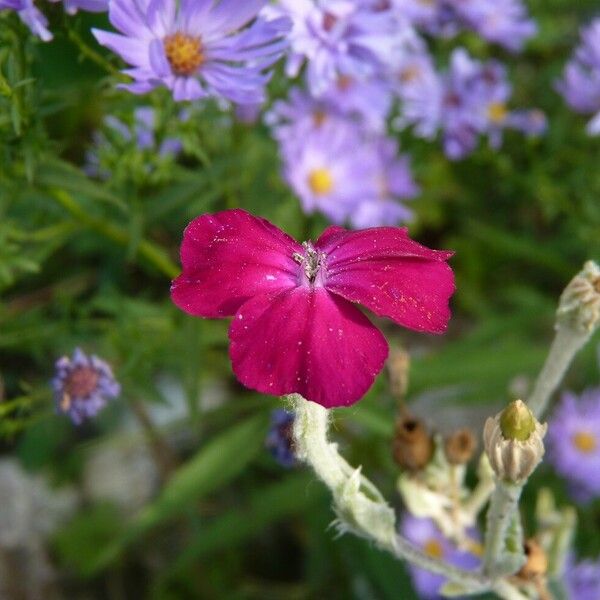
<point>567,342</point>
<point>503,509</point>
<point>359,505</point>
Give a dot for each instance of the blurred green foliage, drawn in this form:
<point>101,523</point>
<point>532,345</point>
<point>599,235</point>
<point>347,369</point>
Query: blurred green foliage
<point>87,263</point>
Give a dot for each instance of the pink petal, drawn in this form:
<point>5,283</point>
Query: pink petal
<point>229,257</point>
<point>390,274</point>
<point>308,341</point>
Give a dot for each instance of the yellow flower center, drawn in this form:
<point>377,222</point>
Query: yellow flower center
<point>184,53</point>
<point>433,548</point>
<point>497,112</point>
<point>344,83</point>
<point>585,442</point>
<point>409,74</point>
<point>319,117</point>
<point>320,182</point>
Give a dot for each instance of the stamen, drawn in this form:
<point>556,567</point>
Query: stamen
<point>585,442</point>
<point>320,181</point>
<point>312,260</point>
<point>497,112</point>
<point>184,53</point>
<point>433,548</point>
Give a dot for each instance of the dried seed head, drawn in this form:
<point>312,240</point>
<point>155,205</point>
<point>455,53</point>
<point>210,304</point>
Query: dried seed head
<point>513,442</point>
<point>398,365</point>
<point>460,447</point>
<point>579,304</point>
<point>413,444</point>
<point>536,564</point>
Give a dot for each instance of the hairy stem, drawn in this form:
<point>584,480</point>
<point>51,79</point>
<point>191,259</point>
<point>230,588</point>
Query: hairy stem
<point>567,342</point>
<point>503,509</point>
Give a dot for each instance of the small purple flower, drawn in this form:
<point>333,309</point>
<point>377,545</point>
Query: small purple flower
<point>338,38</point>
<point>196,48</point>
<point>582,579</point>
<point>424,534</point>
<point>30,15</point>
<point>330,169</point>
<point>580,85</point>
<point>72,6</point>
<point>574,442</point>
<point>83,385</point>
<point>393,181</point>
<point>468,100</point>
<point>279,440</point>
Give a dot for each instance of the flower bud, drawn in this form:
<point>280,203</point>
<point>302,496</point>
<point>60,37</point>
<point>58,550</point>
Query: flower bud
<point>460,447</point>
<point>398,365</point>
<point>513,442</point>
<point>536,563</point>
<point>579,303</point>
<point>413,445</point>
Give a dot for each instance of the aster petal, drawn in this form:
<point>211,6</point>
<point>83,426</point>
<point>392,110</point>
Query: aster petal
<point>128,17</point>
<point>390,274</point>
<point>229,257</point>
<point>131,50</point>
<point>158,59</point>
<point>308,341</point>
<point>229,15</point>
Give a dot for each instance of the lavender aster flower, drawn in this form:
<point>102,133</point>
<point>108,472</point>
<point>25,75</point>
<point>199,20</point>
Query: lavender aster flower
<point>574,442</point>
<point>279,438</point>
<point>330,169</point>
<point>196,48</point>
<point>468,100</point>
<point>425,534</point>
<point>30,15</point>
<point>338,38</point>
<point>582,579</point>
<point>393,182</point>
<point>580,85</point>
<point>83,385</point>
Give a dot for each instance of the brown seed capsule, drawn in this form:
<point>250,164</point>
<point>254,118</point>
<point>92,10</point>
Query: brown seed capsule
<point>536,563</point>
<point>398,365</point>
<point>460,446</point>
<point>413,445</point>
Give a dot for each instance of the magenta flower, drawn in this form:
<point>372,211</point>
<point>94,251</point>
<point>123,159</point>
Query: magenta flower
<point>294,327</point>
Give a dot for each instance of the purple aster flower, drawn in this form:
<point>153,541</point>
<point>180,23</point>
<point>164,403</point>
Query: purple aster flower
<point>279,440</point>
<point>83,385</point>
<point>196,48</point>
<point>468,100</point>
<point>574,442</point>
<point>582,579</point>
<point>330,169</point>
<point>393,182</point>
<point>425,534</point>
<point>72,6</point>
<point>504,22</point>
<point>339,38</point>
<point>580,85</point>
<point>30,15</point>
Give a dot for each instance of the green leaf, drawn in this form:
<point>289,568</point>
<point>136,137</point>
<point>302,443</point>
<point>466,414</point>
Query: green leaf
<point>215,465</point>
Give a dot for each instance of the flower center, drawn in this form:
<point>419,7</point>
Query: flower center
<point>81,382</point>
<point>497,112</point>
<point>344,83</point>
<point>312,260</point>
<point>320,181</point>
<point>319,117</point>
<point>433,548</point>
<point>184,53</point>
<point>409,74</point>
<point>329,21</point>
<point>585,442</point>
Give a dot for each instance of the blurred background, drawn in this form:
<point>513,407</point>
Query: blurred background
<point>171,492</point>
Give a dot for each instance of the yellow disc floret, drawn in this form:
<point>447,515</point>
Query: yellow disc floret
<point>320,182</point>
<point>497,112</point>
<point>434,548</point>
<point>184,53</point>
<point>585,442</point>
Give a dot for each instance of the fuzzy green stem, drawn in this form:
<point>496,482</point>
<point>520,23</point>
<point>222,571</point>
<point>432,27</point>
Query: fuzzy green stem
<point>503,509</point>
<point>567,342</point>
<point>360,506</point>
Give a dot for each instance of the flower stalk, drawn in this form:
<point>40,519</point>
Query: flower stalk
<point>362,510</point>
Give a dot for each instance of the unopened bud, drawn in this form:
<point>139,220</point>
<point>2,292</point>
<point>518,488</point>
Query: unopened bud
<point>398,366</point>
<point>460,447</point>
<point>517,421</point>
<point>413,445</point>
<point>513,442</point>
<point>536,563</point>
<point>579,304</point>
